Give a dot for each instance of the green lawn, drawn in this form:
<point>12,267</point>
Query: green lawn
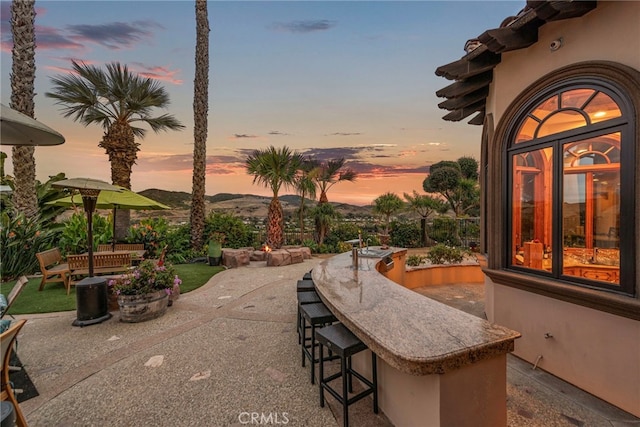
<point>54,296</point>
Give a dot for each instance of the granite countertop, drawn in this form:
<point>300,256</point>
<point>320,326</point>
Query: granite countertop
<point>411,332</point>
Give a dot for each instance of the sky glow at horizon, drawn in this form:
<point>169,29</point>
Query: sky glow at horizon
<point>330,79</point>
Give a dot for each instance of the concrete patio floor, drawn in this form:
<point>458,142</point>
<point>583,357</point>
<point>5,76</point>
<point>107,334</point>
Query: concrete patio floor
<point>229,350</point>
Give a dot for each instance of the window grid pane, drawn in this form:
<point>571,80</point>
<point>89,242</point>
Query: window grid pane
<point>591,209</point>
<point>532,209</point>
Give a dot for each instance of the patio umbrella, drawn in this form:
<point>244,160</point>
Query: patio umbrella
<point>89,190</point>
<point>19,129</point>
<point>123,199</point>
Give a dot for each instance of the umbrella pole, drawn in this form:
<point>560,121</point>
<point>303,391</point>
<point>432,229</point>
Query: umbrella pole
<point>89,203</point>
<point>113,238</point>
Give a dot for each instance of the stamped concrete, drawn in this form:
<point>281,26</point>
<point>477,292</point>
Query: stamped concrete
<point>227,355</point>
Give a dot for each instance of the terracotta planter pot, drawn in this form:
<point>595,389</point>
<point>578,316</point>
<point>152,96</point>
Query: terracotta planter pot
<point>139,308</point>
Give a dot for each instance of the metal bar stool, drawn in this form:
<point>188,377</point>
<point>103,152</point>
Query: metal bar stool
<point>342,342</point>
<point>305,285</point>
<point>316,314</point>
<point>309,297</point>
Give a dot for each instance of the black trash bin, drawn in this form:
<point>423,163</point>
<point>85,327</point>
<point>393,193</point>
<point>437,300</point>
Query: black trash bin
<point>91,301</point>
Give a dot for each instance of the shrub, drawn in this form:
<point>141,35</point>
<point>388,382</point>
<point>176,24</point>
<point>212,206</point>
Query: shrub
<point>20,239</point>
<point>325,249</point>
<point>73,239</point>
<point>442,254</point>
<point>179,245</point>
<point>344,247</point>
<point>444,230</point>
<point>311,244</point>
<point>415,260</point>
<point>151,232</point>
<point>405,234</point>
<point>343,231</point>
<point>236,232</point>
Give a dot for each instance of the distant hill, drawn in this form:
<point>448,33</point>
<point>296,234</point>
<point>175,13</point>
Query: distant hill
<point>242,205</point>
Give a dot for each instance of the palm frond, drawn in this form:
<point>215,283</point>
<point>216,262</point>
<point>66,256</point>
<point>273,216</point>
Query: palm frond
<point>92,95</point>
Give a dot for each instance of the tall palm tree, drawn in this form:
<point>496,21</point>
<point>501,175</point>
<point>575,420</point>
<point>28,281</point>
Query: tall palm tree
<point>23,75</point>
<point>306,187</point>
<point>274,168</point>
<point>200,109</point>
<point>116,99</point>
<point>332,172</point>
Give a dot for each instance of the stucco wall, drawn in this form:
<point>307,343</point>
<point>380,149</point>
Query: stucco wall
<point>608,33</point>
<point>593,349</point>
<point>596,351</point>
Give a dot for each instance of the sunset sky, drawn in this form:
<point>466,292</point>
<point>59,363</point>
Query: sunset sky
<point>331,79</point>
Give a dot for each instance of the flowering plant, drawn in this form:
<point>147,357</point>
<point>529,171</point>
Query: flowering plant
<point>148,277</point>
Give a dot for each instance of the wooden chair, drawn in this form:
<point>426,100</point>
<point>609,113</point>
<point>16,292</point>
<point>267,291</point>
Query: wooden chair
<point>7,339</point>
<point>52,268</point>
<point>17,288</point>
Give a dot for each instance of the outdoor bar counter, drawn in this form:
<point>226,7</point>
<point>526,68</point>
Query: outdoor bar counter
<point>437,366</point>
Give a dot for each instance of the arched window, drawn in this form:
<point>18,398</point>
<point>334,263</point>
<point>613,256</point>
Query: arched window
<point>569,153</point>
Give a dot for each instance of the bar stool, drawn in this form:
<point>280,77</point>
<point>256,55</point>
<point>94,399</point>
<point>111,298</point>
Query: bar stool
<point>316,314</point>
<point>342,342</point>
<point>305,285</point>
<point>309,297</point>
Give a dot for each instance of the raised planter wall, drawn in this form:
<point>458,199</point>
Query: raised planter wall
<point>442,275</point>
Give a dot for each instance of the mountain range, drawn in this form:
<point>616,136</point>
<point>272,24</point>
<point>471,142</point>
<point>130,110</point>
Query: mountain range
<point>241,205</point>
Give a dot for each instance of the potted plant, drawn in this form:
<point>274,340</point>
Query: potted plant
<point>216,240</point>
<point>144,293</point>
<point>386,205</point>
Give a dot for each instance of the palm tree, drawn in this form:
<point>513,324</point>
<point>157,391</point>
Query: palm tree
<point>330,173</point>
<point>116,99</point>
<point>386,205</point>
<point>273,168</point>
<point>200,109</point>
<point>424,206</point>
<point>305,187</point>
<point>23,75</point>
<point>323,215</point>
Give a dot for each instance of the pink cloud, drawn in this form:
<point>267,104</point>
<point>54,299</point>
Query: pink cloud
<point>159,72</point>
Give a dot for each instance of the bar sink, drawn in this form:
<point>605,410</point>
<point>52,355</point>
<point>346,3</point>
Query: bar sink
<point>374,253</point>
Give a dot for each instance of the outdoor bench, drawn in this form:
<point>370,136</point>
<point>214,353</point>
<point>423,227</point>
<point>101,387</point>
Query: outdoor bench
<point>137,249</point>
<point>53,269</point>
<point>121,247</point>
<point>105,262</point>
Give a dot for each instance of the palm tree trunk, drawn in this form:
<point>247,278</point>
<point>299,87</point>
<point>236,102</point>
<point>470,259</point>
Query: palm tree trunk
<point>301,217</point>
<point>275,224</point>
<point>200,109</point>
<point>23,75</point>
<point>119,143</point>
